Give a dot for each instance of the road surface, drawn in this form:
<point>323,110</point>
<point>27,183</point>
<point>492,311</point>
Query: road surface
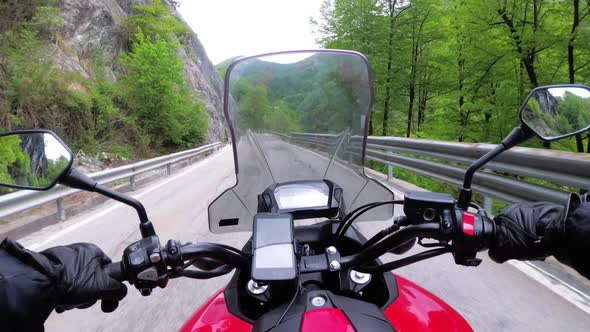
<point>491,297</point>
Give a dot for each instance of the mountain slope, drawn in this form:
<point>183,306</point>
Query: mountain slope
<point>94,28</point>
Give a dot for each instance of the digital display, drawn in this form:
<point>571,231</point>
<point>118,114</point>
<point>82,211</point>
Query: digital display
<point>273,231</point>
<point>301,196</point>
<point>274,256</point>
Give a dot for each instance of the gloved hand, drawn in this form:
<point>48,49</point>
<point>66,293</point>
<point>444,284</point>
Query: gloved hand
<point>527,231</point>
<point>75,278</point>
<point>83,281</point>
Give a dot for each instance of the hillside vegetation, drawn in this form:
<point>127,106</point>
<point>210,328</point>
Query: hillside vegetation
<point>148,108</point>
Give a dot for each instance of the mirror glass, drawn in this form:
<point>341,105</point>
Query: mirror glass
<point>32,160</point>
<point>557,112</point>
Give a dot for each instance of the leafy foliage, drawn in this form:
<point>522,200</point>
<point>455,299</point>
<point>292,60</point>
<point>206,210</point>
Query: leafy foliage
<point>13,161</point>
<point>156,21</point>
<point>257,112</point>
<point>458,70</point>
<point>159,96</point>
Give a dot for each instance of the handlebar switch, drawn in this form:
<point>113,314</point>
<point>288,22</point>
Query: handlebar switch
<point>471,235</point>
<point>144,265</point>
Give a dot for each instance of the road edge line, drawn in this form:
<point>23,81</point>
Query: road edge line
<point>553,283</point>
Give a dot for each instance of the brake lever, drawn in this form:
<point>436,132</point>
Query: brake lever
<point>439,244</point>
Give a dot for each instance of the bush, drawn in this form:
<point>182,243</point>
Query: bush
<point>121,152</point>
<point>156,21</point>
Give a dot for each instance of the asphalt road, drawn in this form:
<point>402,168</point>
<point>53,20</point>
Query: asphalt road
<point>491,297</point>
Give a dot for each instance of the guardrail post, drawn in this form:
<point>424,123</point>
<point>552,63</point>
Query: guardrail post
<point>132,182</point>
<point>487,204</point>
<point>61,211</point>
<point>168,169</point>
<point>389,170</point>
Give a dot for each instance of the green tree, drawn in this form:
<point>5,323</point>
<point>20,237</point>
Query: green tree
<point>156,21</point>
<point>14,162</point>
<point>159,96</point>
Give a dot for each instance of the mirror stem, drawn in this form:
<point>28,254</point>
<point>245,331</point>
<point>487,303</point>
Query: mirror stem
<point>78,180</point>
<point>516,136</point>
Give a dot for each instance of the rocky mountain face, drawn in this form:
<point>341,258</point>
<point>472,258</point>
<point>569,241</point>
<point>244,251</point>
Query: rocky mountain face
<point>95,27</point>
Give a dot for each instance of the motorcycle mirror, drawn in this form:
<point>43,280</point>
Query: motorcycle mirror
<point>33,159</point>
<point>556,112</point>
<point>39,159</point>
<point>549,112</point>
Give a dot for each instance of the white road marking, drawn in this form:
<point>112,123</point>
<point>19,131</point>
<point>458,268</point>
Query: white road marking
<point>556,285</point>
<point>98,215</point>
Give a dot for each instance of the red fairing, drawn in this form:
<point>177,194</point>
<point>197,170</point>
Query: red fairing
<point>326,320</point>
<point>214,317</point>
<point>416,309</point>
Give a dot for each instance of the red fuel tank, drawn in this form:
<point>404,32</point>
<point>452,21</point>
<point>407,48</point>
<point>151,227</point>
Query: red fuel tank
<point>213,316</point>
<point>415,309</point>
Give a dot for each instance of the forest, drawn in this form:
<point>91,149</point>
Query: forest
<point>458,70</point>
<point>147,109</point>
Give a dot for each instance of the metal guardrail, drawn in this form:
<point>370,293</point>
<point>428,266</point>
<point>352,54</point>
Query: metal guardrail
<point>447,161</point>
<point>23,200</point>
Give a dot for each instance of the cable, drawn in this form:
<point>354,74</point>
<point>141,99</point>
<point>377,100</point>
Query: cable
<point>391,241</point>
<point>343,225</point>
<point>405,261</point>
<point>297,291</point>
<point>348,223</point>
<point>379,236</point>
<point>196,274</point>
<point>350,215</point>
<point>288,307</point>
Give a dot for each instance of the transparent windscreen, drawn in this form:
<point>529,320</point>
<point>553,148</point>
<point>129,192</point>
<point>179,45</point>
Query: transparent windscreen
<point>297,116</point>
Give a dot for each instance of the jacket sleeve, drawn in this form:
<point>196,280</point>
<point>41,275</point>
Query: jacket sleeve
<point>576,251</point>
<point>27,291</point>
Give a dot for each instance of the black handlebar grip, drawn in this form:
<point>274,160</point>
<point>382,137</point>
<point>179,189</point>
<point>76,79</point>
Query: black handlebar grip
<point>115,271</point>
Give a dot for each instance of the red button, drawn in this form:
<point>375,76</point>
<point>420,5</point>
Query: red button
<point>468,223</point>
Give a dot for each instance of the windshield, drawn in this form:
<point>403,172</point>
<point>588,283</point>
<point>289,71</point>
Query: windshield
<point>297,116</point>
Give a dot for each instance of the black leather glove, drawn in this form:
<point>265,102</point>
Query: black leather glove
<point>533,231</point>
<point>83,281</point>
<point>527,231</point>
<point>33,284</point>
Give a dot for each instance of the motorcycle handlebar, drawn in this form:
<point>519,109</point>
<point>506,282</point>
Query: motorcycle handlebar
<point>218,258</point>
<point>472,233</point>
<point>219,252</point>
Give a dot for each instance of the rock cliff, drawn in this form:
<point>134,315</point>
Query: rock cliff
<point>95,27</point>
